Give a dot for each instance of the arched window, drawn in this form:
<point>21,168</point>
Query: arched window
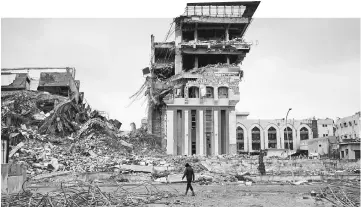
<point>240,138</point>
<point>288,138</point>
<point>256,139</point>
<point>193,92</point>
<point>209,92</point>
<point>222,92</point>
<point>304,133</point>
<point>272,138</point>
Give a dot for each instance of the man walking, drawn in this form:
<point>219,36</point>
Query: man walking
<point>190,176</point>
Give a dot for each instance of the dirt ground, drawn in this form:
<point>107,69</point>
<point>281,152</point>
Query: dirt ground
<point>257,195</point>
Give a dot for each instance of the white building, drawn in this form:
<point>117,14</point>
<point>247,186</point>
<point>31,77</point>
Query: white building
<point>256,134</point>
<point>348,127</point>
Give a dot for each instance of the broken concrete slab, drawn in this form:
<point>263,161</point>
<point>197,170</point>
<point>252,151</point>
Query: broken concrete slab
<point>15,149</point>
<point>176,178</point>
<point>163,168</point>
<point>138,168</point>
<point>51,175</point>
<point>162,180</point>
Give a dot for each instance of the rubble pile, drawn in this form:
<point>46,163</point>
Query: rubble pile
<point>49,133</point>
<point>87,194</point>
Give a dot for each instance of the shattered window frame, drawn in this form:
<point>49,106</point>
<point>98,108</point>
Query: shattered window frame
<point>304,133</point>
<point>193,92</point>
<point>240,134</point>
<point>209,92</point>
<point>223,92</point>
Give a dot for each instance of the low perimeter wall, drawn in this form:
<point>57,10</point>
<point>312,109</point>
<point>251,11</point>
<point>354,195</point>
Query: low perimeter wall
<point>12,178</point>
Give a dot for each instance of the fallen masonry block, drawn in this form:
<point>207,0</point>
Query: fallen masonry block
<point>15,149</point>
<point>176,178</point>
<point>38,177</point>
<point>163,168</point>
<point>138,168</point>
<point>162,180</point>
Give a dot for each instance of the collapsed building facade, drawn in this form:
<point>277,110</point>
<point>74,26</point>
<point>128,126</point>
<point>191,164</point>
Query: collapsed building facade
<point>192,86</point>
<point>59,81</point>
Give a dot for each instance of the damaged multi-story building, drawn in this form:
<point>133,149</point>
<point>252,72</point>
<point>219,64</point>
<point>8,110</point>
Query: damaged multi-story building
<point>60,81</point>
<point>193,81</point>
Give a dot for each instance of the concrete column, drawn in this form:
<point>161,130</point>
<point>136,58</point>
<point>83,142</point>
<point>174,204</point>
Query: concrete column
<point>298,139</point>
<point>232,132</point>
<point>246,141</point>
<point>178,61</point>
<point>196,32</point>
<point>282,138</point>
<point>196,62</point>
<point>215,114</point>
<point>227,33</point>
<point>178,34</point>
<point>278,136</point>
<point>249,133</point>
<point>170,138</point>
<point>266,139</point>
<point>186,128</point>
<point>262,138</point>
<point>228,60</point>
<point>201,133</point>
<point>178,55</point>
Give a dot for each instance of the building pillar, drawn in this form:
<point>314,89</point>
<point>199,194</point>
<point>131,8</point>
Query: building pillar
<point>186,128</point>
<point>215,127</point>
<point>178,54</point>
<point>266,139</point>
<point>178,61</point>
<point>278,138</point>
<point>227,33</point>
<point>228,60</point>
<point>262,139</point>
<point>249,133</point>
<point>201,133</point>
<point>196,32</point>
<point>245,140</point>
<point>170,138</point>
<point>196,62</point>
<point>232,132</point>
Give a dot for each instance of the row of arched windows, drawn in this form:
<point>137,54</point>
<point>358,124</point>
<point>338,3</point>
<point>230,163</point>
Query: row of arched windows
<point>193,92</point>
<point>272,137</point>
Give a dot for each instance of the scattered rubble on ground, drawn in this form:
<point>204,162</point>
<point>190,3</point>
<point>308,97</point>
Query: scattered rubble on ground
<point>87,194</point>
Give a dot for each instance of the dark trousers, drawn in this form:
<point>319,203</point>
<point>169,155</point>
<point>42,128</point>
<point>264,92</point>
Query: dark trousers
<point>189,185</point>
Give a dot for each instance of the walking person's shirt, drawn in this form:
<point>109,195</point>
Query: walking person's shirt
<point>189,174</point>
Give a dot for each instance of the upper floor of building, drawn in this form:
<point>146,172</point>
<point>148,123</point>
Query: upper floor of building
<point>348,127</point>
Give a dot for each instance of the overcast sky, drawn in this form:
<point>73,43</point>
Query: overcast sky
<point>310,65</point>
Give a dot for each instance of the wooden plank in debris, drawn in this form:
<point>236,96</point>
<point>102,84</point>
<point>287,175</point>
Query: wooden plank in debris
<point>15,149</point>
<point>138,168</point>
<point>51,175</point>
<point>124,143</point>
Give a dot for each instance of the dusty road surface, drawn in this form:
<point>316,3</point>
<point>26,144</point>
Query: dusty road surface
<point>219,195</point>
<point>255,196</point>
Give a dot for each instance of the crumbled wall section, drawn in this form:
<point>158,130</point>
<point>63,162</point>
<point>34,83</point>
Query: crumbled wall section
<point>159,122</point>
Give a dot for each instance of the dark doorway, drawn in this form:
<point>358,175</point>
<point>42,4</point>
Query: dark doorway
<point>209,131</point>
<point>194,131</point>
<point>223,132</point>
